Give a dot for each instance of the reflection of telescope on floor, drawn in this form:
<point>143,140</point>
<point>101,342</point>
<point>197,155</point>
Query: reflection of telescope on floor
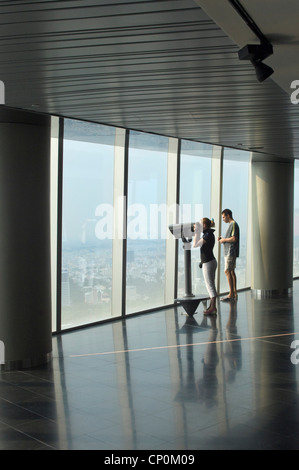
<point>186,232</point>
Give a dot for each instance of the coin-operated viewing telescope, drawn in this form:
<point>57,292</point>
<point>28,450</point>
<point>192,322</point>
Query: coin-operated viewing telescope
<point>186,232</point>
<point>183,231</point>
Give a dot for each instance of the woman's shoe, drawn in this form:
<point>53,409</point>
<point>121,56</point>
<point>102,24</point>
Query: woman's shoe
<point>210,311</point>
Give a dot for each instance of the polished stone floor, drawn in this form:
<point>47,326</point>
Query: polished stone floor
<point>164,381</point>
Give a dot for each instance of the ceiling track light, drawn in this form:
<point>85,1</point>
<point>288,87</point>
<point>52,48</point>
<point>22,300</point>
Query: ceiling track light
<point>256,53</point>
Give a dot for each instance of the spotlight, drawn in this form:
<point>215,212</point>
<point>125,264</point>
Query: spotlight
<point>262,71</point>
<point>256,54</point>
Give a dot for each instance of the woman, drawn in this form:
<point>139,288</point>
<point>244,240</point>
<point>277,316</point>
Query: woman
<point>206,243</point>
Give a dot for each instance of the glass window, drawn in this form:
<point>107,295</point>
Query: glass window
<point>88,214</point>
<point>195,197</point>
<point>146,222</point>
<point>88,158</point>
<point>235,198</point>
<point>54,206</point>
<point>296,220</point>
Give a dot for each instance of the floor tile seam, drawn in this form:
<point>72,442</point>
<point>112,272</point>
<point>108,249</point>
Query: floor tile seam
<point>26,373</point>
<point>24,385</point>
<point>136,435</point>
<point>273,342</point>
<point>26,434</point>
<point>34,393</point>
<point>256,426</point>
<point>28,410</point>
<point>177,346</point>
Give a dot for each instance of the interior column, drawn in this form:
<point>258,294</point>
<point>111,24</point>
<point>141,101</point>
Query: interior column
<point>272,226</point>
<point>25,271</point>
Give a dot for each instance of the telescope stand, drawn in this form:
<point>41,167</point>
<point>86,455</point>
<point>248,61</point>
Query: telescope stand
<point>189,302</point>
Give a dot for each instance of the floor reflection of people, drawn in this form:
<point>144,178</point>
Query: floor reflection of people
<point>233,350</point>
<point>188,390</point>
<point>207,386</point>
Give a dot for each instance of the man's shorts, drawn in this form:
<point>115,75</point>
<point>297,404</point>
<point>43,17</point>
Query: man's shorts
<point>230,263</point>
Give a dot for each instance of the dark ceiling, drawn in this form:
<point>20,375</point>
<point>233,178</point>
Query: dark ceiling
<point>160,66</point>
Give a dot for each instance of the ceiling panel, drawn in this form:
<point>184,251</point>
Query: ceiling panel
<point>158,66</point>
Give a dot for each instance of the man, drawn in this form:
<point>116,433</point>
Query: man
<point>231,244</point>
